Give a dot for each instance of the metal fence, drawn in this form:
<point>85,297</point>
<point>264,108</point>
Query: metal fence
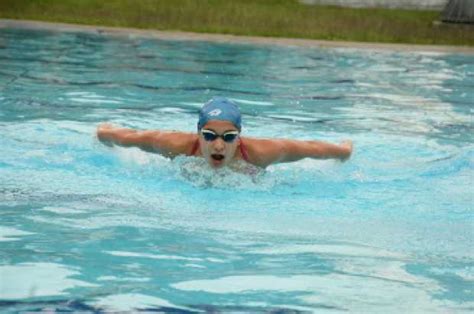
<point>459,11</point>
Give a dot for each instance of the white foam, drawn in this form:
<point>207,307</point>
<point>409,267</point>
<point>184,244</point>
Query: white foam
<point>61,210</point>
<point>11,234</point>
<point>123,279</point>
<point>253,102</point>
<point>353,293</point>
<point>31,280</point>
<point>344,250</point>
<point>152,256</point>
<point>95,101</point>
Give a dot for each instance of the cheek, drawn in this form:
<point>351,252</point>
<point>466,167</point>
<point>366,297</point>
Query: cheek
<point>204,146</point>
<point>231,149</point>
<point>202,143</point>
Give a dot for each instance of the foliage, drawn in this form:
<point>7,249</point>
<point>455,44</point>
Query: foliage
<point>278,18</point>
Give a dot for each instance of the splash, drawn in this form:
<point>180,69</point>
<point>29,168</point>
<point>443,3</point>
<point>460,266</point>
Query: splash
<point>240,176</point>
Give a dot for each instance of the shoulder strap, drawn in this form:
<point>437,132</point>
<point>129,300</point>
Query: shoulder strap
<point>195,147</point>
<point>243,151</point>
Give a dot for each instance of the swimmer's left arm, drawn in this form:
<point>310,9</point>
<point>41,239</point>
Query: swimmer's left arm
<point>296,150</point>
<point>264,152</point>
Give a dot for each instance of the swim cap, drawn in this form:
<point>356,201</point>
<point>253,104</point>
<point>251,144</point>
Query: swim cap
<point>220,108</point>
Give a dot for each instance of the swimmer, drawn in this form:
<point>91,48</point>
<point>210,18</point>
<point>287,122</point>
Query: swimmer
<point>219,142</point>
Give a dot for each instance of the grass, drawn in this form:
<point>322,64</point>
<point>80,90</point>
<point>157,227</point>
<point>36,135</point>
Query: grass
<point>274,18</point>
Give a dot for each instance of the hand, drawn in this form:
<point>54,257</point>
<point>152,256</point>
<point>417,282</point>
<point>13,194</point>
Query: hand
<point>347,147</point>
<point>104,126</point>
<point>102,133</point>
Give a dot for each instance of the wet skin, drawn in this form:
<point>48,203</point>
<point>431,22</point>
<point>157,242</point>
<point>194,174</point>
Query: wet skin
<point>219,153</point>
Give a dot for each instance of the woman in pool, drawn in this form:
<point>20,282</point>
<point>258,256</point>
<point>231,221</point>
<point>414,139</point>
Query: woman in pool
<point>218,140</point>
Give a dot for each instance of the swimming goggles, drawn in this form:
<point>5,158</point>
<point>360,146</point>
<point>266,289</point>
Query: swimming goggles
<point>227,137</point>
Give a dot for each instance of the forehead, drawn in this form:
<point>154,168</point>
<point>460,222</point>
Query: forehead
<point>218,125</point>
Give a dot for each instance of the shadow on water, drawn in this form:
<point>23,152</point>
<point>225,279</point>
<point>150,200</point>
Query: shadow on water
<point>72,305</point>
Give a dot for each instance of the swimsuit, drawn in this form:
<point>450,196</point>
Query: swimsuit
<point>243,150</point>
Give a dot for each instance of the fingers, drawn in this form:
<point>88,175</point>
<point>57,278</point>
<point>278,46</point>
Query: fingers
<point>348,144</point>
<point>348,147</point>
<point>103,134</point>
<point>105,126</point>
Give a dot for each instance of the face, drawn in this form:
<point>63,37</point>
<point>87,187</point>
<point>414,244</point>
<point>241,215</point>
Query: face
<point>218,152</point>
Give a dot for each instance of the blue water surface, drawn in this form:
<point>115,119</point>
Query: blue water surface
<point>90,228</point>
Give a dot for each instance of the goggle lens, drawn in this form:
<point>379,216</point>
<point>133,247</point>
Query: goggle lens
<point>227,137</point>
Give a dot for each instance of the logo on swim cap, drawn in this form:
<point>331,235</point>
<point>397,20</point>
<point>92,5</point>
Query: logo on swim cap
<point>220,108</point>
<point>215,112</point>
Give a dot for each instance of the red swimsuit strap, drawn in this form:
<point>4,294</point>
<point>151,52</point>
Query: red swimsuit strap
<point>243,151</point>
<point>195,147</point>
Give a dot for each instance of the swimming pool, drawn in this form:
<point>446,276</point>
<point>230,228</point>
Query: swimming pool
<point>86,227</point>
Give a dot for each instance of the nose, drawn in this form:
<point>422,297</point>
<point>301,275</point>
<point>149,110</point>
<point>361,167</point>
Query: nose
<point>218,145</point>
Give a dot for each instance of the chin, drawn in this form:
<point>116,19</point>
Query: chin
<point>216,164</point>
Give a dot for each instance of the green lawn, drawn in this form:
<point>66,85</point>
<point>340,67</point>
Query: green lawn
<point>276,18</point>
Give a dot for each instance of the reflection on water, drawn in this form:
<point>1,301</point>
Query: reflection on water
<point>90,228</point>
<point>33,280</point>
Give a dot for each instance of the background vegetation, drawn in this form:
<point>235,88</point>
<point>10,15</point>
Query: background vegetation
<point>278,18</point>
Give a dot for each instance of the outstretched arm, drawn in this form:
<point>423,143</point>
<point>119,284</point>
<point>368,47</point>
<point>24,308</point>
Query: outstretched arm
<point>267,151</point>
<point>169,144</point>
<point>296,150</point>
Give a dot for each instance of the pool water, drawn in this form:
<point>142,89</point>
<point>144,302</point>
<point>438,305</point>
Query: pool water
<point>86,227</point>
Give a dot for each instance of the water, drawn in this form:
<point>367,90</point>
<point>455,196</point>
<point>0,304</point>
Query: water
<point>85,227</point>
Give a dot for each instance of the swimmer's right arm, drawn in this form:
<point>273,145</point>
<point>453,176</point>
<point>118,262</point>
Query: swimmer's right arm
<point>108,135</point>
<point>165,143</point>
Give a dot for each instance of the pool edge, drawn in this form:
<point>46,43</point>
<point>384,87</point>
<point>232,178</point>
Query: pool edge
<point>225,38</point>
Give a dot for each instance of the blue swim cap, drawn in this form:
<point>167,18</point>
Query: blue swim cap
<point>220,108</point>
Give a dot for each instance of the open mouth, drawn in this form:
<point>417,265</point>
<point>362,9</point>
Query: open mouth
<point>217,157</point>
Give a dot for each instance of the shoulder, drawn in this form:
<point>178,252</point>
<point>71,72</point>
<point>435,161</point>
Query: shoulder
<point>174,143</point>
<point>263,152</point>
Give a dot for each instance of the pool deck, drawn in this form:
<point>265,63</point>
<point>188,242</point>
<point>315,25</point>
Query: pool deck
<point>221,38</point>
